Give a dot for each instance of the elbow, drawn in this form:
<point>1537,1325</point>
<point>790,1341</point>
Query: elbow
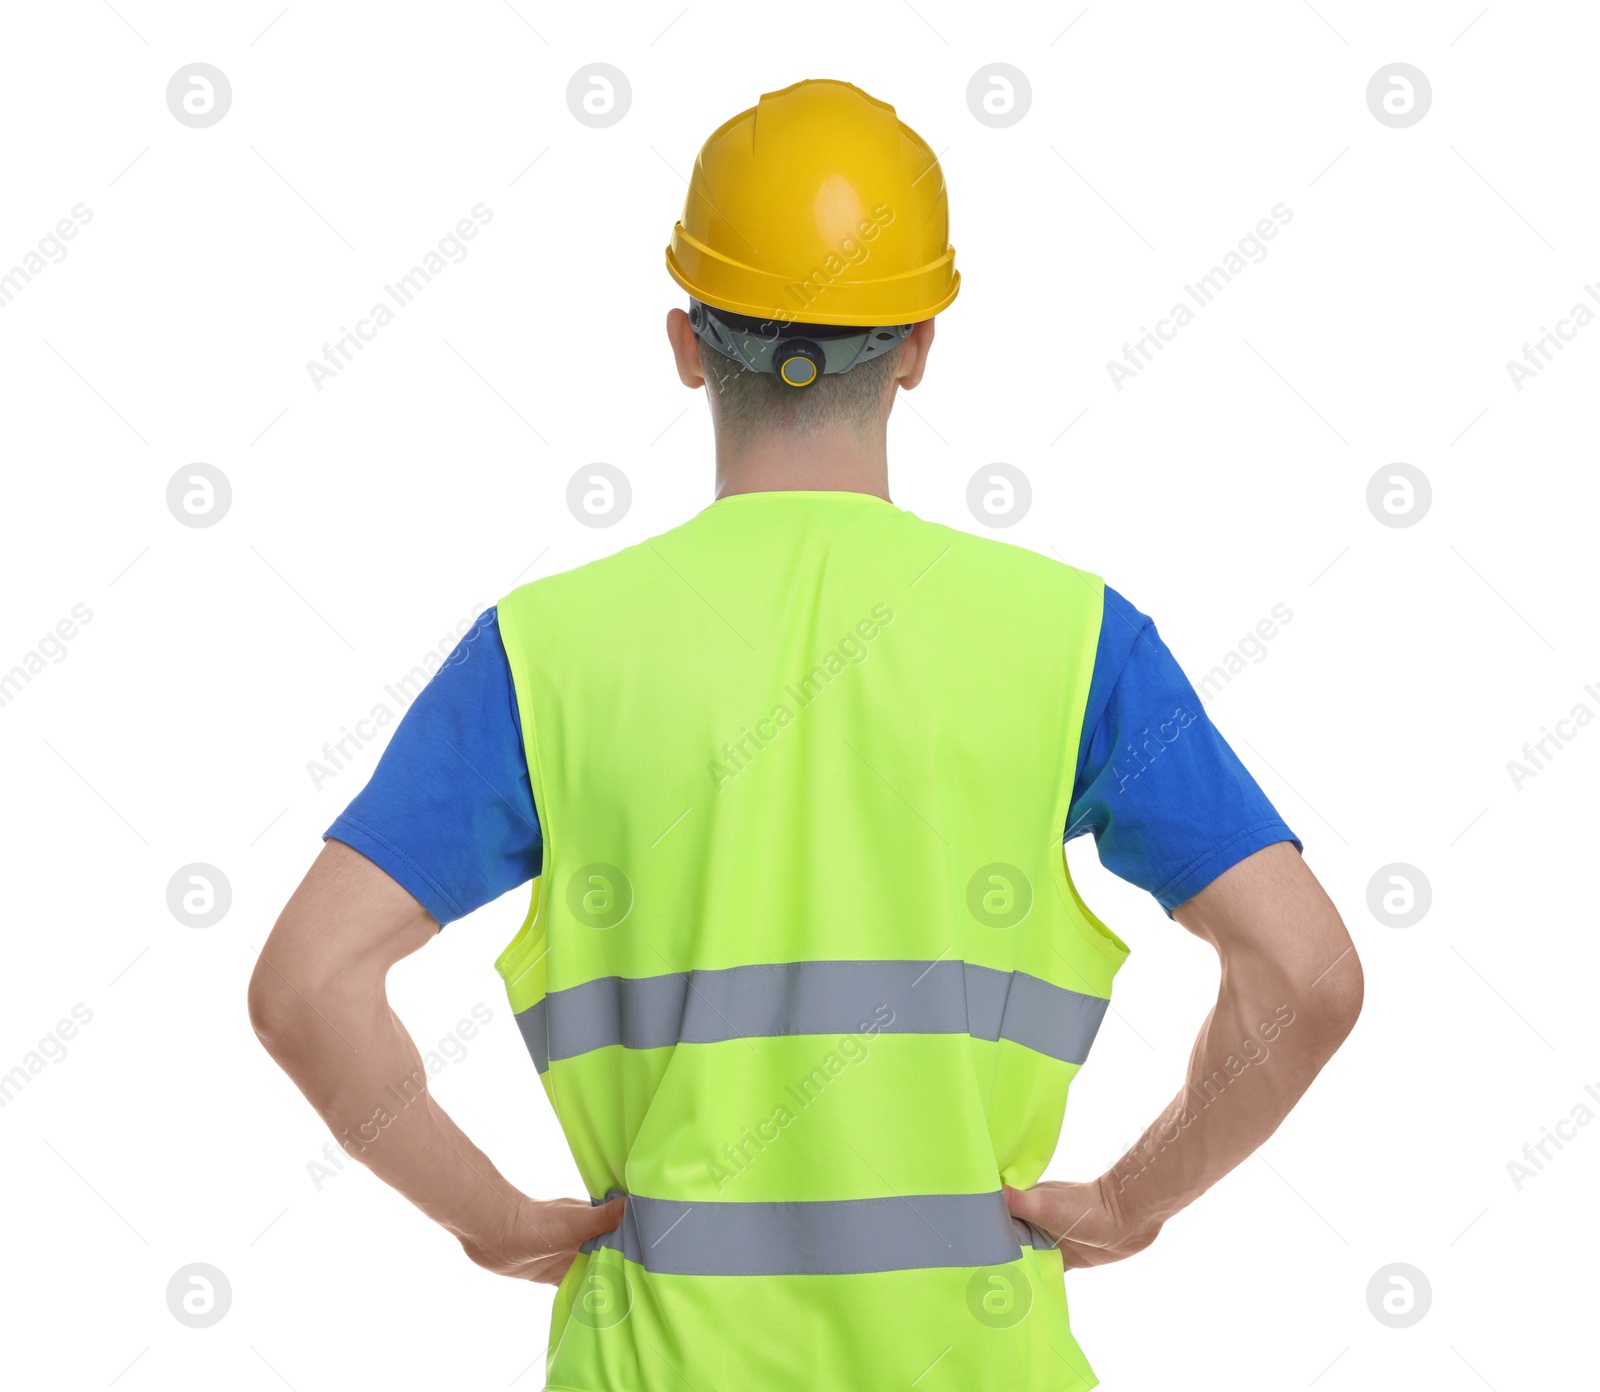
<point>275,1010</point>
<point>1337,996</point>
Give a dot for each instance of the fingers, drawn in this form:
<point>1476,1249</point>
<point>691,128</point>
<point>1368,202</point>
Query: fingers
<point>1027,1203</point>
<point>1040,1206</point>
<point>1076,1217</point>
<point>577,1222</point>
<point>585,1220</point>
<point>1060,1210</point>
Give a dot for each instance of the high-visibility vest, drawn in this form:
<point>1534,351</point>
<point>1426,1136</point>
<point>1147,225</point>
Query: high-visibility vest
<point>804,974</point>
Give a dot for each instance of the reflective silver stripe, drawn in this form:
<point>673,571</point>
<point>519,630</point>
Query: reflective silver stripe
<point>535,1033</point>
<point>709,1007</point>
<point>823,1238</point>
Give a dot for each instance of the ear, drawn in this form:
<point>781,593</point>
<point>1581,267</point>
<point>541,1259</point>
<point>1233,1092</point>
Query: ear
<point>914,356</point>
<point>685,348</point>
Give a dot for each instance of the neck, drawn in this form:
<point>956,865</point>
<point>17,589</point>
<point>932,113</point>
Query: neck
<point>828,460</point>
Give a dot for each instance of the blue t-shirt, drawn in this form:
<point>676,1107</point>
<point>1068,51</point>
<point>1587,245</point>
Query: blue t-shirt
<point>449,810</point>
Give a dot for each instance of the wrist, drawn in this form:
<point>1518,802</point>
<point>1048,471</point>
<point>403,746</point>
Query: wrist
<point>493,1229</point>
<point>1134,1206</point>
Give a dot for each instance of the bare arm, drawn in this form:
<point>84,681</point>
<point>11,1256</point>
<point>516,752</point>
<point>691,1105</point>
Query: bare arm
<point>318,1004</point>
<point>1290,993</point>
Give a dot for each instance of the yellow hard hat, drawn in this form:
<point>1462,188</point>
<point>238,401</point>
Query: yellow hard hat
<point>817,206</point>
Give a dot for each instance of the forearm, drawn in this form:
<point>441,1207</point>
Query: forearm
<point>1258,1051</point>
<point>319,1004</point>
<point>359,1068</point>
<point>1291,990</point>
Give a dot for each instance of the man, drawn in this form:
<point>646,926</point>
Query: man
<point>805,976</point>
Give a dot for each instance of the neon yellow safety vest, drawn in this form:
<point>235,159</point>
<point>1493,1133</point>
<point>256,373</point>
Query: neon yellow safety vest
<point>805,975</point>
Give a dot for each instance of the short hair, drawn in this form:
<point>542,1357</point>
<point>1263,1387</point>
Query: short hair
<point>749,402</point>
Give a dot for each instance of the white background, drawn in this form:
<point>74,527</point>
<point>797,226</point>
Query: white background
<point>369,518</point>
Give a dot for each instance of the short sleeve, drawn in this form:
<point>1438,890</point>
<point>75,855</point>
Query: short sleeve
<point>1169,803</point>
<point>448,812</point>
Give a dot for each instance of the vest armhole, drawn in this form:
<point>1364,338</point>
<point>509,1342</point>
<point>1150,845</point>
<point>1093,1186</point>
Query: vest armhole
<point>1093,930</point>
<point>521,963</point>
<point>1097,933</point>
<point>518,956</point>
